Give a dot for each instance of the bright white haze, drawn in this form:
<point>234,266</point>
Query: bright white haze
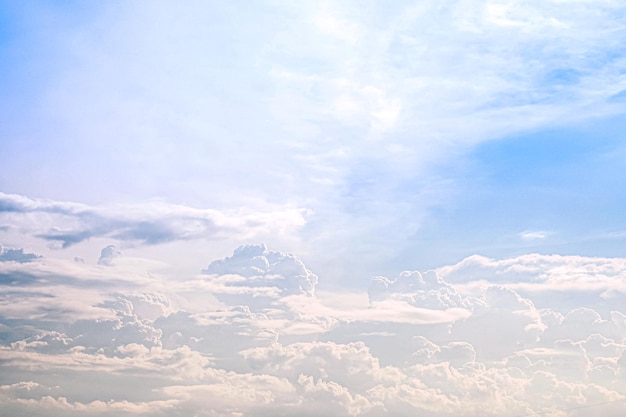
<point>313,208</point>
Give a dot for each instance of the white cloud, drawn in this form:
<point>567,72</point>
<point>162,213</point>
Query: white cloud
<point>575,281</point>
<point>61,406</point>
<point>108,255</point>
<point>16,255</point>
<point>150,223</point>
<point>400,92</point>
<point>331,127</point>
<point>170,343</point>
<point>534,234</point>
<point>421,290</point>
<point>258,267</point>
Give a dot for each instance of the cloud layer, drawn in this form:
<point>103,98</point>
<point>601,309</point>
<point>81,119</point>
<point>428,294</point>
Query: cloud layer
<point>158,136</point>
<point>251,336</point>
<point>150,223</point>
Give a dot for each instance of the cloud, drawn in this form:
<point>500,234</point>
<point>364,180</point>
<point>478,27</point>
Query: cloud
<point>534,234</point>
<point>262,268</point>
<point>356,124</point>
<point>108,255</point>
<point>252,335</point>
<point>61,406</point>
<point>533,268</point>
<point>16,255</point>
<point>422,290</point>
<point>362,112</point>
<point>575,281</point>
<point>150,223</point>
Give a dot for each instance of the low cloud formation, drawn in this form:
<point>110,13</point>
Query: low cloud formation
<point>250,336</point>
<point>16,255</point>
<point>426,290</point>
<point>263,268</point>
<point>551,281</point>
<point>108,255</point>
<point>152,223</point>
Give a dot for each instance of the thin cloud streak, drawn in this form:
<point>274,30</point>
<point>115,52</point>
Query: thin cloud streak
<point>148,223</point>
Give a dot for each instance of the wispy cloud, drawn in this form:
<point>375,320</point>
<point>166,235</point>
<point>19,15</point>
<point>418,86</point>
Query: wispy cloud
<point>534,234</point>
<point>362,113</point>
<point>148,223</point>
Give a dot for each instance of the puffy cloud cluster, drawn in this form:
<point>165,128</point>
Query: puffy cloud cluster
<point>16,255</point>
<point>262,268</point>
<point>108,255</point>
<point>76,343</point>
<point>575,281</point>
<point>426,290</point>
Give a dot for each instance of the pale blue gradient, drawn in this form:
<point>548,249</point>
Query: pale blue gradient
<point>414,134</point>
<point>338,208</point>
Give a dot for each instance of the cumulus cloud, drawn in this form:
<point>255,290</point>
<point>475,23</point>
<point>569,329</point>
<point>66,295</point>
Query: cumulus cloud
<point>575,281</point>
<point>16,255</point>
<point>426,290</point>
<point>347,107</point>
<point>251,336</point>
<point>262,268</point>
<point>108,255</point>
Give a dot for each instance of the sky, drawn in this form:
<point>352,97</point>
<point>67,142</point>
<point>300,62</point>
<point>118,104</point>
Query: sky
<point>340,208</point>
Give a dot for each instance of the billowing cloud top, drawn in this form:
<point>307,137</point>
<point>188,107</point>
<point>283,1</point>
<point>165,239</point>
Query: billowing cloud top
<point>16,255</point>
<point>425,290</point>
<point>249,336</point>
<point>262,268</point>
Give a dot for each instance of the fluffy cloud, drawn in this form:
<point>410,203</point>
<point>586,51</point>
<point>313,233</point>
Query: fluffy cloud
<point>426,290</point>
<point>108,255</point>
<point>361,111</point>
<point>576,281</point>
<point>262,268</point>
<point>16,255</point>
<point>251,336</point>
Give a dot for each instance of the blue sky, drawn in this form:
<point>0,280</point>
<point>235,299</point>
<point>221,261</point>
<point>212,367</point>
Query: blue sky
<point>563,182</point>
<point>402,128</point>
<point>465,123</point>
<point>353,139</point>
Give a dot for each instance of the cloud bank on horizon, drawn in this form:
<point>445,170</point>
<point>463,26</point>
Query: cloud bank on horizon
<point>439,185</point>
<point>250,335</point>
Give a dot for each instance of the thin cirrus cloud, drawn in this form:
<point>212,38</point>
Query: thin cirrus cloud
<point>534,234</point>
